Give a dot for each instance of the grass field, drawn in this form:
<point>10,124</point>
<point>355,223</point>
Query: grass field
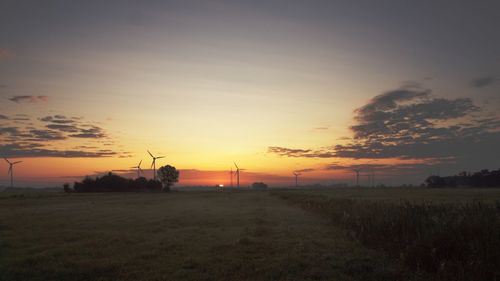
<point>252,235</point>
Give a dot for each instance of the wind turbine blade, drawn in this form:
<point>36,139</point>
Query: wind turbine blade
<point>160,157</point>
<point>236,166</point>
<point>152,163</point>
<point>151,154</point>
<point>10,170</point>
<point>139,163</point>
<point>17,162</point>
<point>6,160</point>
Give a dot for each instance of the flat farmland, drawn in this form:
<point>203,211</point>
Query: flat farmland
<point>176,236</point>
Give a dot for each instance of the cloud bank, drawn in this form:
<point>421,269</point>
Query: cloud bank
<point>412,124</point>
<point>24,136</point>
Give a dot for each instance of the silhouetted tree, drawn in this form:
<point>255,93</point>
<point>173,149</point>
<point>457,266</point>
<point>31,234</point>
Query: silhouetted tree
<point>66,188</point>
<point>483,178</point>
<point>115,183</point>
<point>168,175</point>
<point>259,185</point>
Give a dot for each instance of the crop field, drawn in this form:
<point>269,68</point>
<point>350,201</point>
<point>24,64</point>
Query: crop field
<point>340,234</point>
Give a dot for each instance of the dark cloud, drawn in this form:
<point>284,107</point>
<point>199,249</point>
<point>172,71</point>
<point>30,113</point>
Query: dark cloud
<point>58,119</point>
<point>36,150</point>
<point>93,132</point>
<point>63,128</point>
<point>46,135</point>
<point>12,131</point>
<point>482,82</point>
<point>3,117</point>
<point>34,140</point>
<point>410,123</point>
<point>29,99</point>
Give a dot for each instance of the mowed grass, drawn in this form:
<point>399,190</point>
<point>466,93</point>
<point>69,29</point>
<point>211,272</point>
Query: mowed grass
<point>176,236</point>
<point>448,234</point>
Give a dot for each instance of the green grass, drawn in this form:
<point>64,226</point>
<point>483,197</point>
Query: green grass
<point>176,236</point>
<point>447,234</point>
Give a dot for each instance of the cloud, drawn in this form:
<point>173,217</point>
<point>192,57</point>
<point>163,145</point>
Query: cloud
<point>369,167</point>
<point>294,152</point>
<point>63,128</point>
<point>12,131</point>
<point>6,54</point>
<point>3,117</point>
<point>305,170</point>
<point>46,135</point>
<point>321,128</point>
<point>93,132</point>
<point>29,99</point>
<point>411,123</point>
<point>36,150</point>
<point>38,139</point>
<point>58,119</point>
<point>482,82</point>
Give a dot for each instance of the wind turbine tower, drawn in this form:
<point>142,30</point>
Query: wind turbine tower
<point>139,170</point>
<point>11,171</point>
<point>237,176</point>
<point>231,176</point>
<point>357,176</point>
<point>296,174</point>
<point>153,164</point>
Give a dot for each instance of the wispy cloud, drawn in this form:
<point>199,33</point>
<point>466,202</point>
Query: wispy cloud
<point>29,99</point>
<point>484,81</point>
<point>307,170</point>
<point>323,128</point>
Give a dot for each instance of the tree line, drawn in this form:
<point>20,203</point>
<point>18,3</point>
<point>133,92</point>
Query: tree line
<point>483,178</point>
<point>167,176</point>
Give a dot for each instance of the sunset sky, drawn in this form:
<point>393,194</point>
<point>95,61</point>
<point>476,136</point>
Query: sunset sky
<point>396,88</point>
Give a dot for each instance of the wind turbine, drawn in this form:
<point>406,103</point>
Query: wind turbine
<point>357,176</point>
<point>231,176</point>
<point>296,174</point>
<point>11,171</point>
<point>237,176</point>
<point>139,170</point>
<point>153,164</point>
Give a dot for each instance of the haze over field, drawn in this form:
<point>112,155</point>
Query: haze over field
<point>403,89</point>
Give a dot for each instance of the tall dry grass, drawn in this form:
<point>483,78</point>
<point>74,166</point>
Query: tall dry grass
<point>448,241</point>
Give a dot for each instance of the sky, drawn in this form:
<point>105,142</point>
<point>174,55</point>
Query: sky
<point>396,89</point>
